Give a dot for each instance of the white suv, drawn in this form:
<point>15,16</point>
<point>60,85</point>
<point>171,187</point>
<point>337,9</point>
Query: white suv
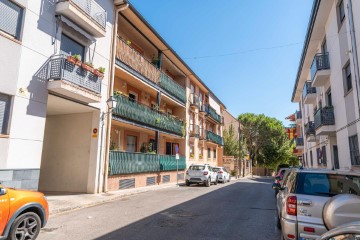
<point>201,174</point>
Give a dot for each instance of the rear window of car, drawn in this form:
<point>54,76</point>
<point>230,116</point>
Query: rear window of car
<point>216,169</point>
<point>327,185</point>
<point>196,167</point>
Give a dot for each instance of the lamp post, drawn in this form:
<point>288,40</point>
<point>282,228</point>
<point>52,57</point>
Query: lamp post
<point>111,104</point>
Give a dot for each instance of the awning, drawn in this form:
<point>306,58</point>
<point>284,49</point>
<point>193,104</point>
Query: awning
<point>77,28</point>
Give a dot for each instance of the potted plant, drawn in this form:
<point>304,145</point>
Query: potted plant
<point>99,72</point>
<point>88,66</point>
<point>74,59</point>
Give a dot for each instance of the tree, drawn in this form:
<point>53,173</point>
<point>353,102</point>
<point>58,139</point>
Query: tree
<point>231,144</point>
<point>265,139</point>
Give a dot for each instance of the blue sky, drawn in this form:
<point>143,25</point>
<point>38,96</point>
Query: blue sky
<point>260,40</point>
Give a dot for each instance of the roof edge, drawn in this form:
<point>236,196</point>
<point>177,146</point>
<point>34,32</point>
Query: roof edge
<point>138,14</point>
<point>312,20</point>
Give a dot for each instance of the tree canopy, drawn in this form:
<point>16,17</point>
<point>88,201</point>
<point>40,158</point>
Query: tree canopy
<point>266,140</point>
<point>231,144</point>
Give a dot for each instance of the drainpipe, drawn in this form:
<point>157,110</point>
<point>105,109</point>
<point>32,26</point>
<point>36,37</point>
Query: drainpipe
<point>121,5</point>
<point>354,49</point>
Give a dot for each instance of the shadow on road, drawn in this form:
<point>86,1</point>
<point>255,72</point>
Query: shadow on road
<point>242,210</point>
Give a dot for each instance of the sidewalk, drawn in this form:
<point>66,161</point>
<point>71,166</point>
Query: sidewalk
<point>61,203</point>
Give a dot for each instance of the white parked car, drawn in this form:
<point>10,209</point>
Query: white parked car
<point>223,174</point>
<point>201,174</point>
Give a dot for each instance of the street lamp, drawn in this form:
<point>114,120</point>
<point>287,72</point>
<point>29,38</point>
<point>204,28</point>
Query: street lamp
<point>111,102</point>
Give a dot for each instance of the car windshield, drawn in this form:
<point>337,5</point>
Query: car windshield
<point>196,167</point>
<point>328,185</point>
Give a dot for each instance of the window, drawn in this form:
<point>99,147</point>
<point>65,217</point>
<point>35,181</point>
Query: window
<point>132,97</point>
<point>329,98</point>
<point>71,47</point>
<point>209,153</point>
<point>354,150</point>
<point>168,148</point>
<point>347,80</point>
<point>214,153</point>
<point>324,159</point>
<point>341,11</point>
<point>5,101</point>
<point>10,18</point>
<point>324,47</point>
<point>131,143</point>
<point>311,159</point>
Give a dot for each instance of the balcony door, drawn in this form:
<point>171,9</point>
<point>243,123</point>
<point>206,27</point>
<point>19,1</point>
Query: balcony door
<point>71,47</point>
<point>131,143</point>
<point>324,48</point>
<point>336,157</point>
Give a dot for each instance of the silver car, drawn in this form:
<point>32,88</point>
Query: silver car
<point>302,198</point>
<point>222,174</point>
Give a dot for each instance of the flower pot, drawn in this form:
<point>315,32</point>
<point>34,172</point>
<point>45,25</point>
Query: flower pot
<point>87,67</point>
<point>73,60</point>
<point>98,73</point>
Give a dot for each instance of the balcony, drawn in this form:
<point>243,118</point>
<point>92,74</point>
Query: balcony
<point>134,62</point>
<point>70,80</point>
<point>214,138</point>
<point>309,93</point>
<point>298,117</point>
<point>130,163</point>
<point>202,109</point>
<point>309,130</point>
<point>88,14</point>
<point>299,143</point>
<point>194,101</point>
<point>325,121</point>
<point>143,115</point>
<point>320,69</point>
<point>212,114</point>
<point>194,131</point>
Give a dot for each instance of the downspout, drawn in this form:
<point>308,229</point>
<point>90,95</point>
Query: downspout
<point>105,169</point>
<point>354,50</point>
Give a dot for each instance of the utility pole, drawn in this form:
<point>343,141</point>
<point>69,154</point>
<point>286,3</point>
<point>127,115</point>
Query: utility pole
<point>240,150</point>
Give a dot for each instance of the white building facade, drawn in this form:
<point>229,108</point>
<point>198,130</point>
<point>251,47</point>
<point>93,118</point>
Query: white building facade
<point>327,86</point>
<point>51,107</point>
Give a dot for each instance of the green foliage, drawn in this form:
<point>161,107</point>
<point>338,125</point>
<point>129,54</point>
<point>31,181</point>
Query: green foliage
<point>231,144</point>
<point>233,173</point>
<point>266,140</point>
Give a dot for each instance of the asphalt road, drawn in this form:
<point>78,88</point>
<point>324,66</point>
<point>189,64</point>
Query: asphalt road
<point>242,209</point>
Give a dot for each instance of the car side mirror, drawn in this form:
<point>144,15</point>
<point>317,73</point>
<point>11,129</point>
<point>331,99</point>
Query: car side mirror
<point>3,191</point>
<point>276,186</point>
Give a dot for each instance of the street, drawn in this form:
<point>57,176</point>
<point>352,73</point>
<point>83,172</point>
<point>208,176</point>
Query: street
<point>242,209</point>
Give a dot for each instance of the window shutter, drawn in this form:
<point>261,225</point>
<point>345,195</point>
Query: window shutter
<point>10,18</point>
<point>4,113</point>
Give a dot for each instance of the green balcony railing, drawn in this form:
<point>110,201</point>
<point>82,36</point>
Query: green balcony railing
<point>172,87</point>
<point>142,66</point>
<point>129,163</point>
<point>126,163</point>
<point>212,113</point>
<point>144,115</point>
<point>210,136</point>
<point>168,163</point>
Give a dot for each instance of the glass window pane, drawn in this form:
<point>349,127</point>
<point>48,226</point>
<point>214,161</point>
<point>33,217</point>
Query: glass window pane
<point>71,47</point>
<point>10,18</point>
<point>4,113</point>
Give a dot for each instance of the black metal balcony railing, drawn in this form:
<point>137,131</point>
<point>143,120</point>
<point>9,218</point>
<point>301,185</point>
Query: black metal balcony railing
<point>194,100</point>
<point>309,128</point>
<point>212,137</point>
<point>92,9</point>
<point>61,69</point>
<point>212,113</point>
<point>321,62</point>
<point>308,89</point>
<point>194,130</point>
<point>324,117</point>
<point>298,115</point>
<point>139,64</point>
<point>129,163</point>
<point>144,115</point>
<point>299,142</point>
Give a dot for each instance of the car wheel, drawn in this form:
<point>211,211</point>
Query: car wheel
<point>208,182</point>
<point>216,181</point>
<point>187,183</point>
<point>26,226</point>
<point>278,222</point>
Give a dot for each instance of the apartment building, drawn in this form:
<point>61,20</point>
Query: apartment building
<point>50,102</point>
<point>163,110</point>
<point>327,86</point>
<point>295,133</point>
